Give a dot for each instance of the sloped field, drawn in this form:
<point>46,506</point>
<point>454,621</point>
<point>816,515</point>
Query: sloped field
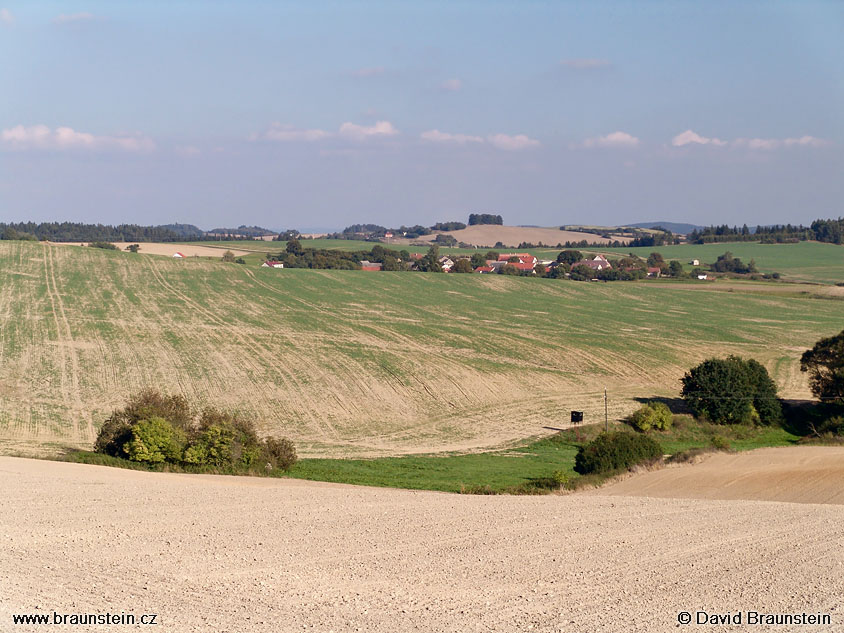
<point>358,363</point>
<point>801,474</point>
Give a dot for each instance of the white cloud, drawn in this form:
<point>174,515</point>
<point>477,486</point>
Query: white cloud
<point>585,63</point>
<point>6,17</point>
<point>615,139</point>
<point>764,144</point>
<point>688,137</point>
<point>451,85</point>
<point>42,137</point>
<point>372,71</point>
<point>435,136</point>
<point>768,144</point>
<point>279,132</point>
<point>511,143</point>
<point>363,132</point>
<point>65,18</point>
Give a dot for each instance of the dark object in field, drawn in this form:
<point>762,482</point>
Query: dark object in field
<point>576,417</point>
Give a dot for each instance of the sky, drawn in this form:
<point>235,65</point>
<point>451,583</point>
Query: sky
<point>317,115</point>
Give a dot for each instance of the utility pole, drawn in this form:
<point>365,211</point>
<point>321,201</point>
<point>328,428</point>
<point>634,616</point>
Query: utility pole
<point>606,413</point>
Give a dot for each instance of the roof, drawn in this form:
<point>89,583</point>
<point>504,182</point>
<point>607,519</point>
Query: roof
<point>484,269</point>
<point>523,257</point>
<point>177,255</point>
<point>599,264</point>
<point>654,269</point>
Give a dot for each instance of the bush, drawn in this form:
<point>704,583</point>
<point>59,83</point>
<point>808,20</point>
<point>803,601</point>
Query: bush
<point>653,415</point>
<point>280,452</point>
<point>149,403</point>
<point>104,245</point>
<point>154,428</point>
<point>615,451</point>
<point>720,442</point>
<point>732,391</point>
<point>155,440</point>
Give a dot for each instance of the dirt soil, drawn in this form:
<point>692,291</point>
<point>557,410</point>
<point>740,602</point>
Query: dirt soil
<point>802,474</point>
<point>210,553</point>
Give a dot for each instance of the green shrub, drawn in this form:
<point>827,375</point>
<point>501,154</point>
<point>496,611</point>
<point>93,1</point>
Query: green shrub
<point>653,415</point>
<point>148,403</point>
<point>155,440</point>
<point>155,428</point>
<point>720,442</point>
<point>616,450</point>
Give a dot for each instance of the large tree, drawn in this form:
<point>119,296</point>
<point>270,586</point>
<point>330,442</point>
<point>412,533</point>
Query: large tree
<point>732,391</point>
<point>825,365</point>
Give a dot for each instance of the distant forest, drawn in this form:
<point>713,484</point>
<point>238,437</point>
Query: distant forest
<point>831,231</point>
<point>80,232</point>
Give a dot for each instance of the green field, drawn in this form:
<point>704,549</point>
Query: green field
<point>365,364</point>
<point>801,262</point>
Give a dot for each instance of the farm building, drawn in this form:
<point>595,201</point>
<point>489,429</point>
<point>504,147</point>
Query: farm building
<point>446,262</point>
<point>695,262</point>
<point>178,255</point>
<point>654,271</point>
<point>599,262</point>
<point>269,264</point>
<point>484,270</point>
<point>703,277</point>
<point>371,266</point>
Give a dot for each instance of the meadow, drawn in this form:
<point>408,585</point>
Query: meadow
<point>812,262</point>
<point>350,363</point>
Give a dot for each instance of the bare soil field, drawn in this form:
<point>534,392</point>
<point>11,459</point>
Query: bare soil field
<point>168,249</point>
<point>212,553</point>
<point>512,236</point>
<point>801,474</point>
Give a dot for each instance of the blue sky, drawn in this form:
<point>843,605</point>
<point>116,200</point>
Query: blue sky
<point>305,114</point>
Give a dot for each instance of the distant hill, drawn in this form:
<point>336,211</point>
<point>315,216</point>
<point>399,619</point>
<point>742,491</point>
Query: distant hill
<point>243,230</point>
<point>183,230</point>
<point>682,228</point>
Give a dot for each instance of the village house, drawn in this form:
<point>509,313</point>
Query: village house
<point>654,271</point>
<point>446,262</point>
<point>178,255</point>
<point>371,266</point>
<point>526,263</point>
<point>695,262</point>
<point>599,262</point>
<point>270,264</point>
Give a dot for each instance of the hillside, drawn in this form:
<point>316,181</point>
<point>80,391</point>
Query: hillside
<point>356,363</point>
<point>512,236</point>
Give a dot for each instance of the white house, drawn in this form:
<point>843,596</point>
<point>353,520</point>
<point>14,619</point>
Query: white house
<point>702,277</point>
<point>178,255</point>
<point>272,265</point>
<point>695,262</point>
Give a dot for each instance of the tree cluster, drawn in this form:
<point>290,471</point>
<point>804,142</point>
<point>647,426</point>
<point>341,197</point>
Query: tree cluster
<point>485,218</point>
<point>154,428</point>
<point>732,390</point>
<point>825,365</point>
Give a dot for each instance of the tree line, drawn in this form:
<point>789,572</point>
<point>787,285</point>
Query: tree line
<point>831,231</point>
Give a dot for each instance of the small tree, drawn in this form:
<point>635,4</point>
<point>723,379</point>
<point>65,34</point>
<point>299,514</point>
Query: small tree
<point>825,366</point>
<point>569,257</point>
<point>228,257</point>
<point>133,248</point>
<point>675,268</point>
<point>462,265</point>
<point>294,247</point>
